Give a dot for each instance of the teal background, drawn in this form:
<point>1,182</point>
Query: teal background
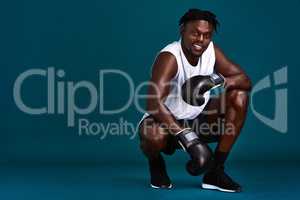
<point>83,37</point>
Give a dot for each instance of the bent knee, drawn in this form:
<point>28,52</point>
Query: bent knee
<point>153,138</point>
<point>152,146</point>
<point>239,99</point>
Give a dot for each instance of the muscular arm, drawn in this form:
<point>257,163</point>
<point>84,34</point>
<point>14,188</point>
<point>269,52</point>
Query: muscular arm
<point>164,69</point>
<point>235,77</point>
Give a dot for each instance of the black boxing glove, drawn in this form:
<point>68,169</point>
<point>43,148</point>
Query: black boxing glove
<point>193,89</point>
<point>200,153</point>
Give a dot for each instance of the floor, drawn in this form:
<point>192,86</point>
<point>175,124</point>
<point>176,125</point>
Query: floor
<point>260,180</point>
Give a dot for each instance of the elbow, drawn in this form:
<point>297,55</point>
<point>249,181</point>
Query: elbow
<point>244,82</point>
<point>241,82</point>
<point>150,106</point>
<point>247,83</point>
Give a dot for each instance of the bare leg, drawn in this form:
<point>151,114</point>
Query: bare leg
<point>153,140</point>
<point>233,111</point>
<point>235,115</point>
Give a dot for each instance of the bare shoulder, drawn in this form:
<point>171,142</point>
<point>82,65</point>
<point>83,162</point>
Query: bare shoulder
<point>165,66</point>
<point>224,65</point>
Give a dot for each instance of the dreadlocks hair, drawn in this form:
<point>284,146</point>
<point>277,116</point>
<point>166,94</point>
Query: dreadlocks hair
<point>197,14</point>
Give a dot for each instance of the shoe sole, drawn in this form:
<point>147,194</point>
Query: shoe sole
<point>213,187</point>
<point>157,187</point>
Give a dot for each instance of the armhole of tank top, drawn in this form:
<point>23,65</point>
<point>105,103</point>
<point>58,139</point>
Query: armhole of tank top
<point>176,75</point>
<point>215,57</point>
<point>213,48</point>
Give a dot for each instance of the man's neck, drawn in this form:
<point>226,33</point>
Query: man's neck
<point>190,58</point>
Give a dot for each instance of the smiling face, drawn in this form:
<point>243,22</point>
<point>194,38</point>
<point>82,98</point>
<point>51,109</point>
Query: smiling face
<point>196,36</point>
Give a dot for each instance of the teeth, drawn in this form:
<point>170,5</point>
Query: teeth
<point>197,46</point>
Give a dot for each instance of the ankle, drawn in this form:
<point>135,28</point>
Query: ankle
<point>216,167</point>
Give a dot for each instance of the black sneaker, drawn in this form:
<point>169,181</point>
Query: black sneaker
<point>217,179</point>
<point>158,173</point>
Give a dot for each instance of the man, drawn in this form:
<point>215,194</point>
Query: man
<point>167,115</point>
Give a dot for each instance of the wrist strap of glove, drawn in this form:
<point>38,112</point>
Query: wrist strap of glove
<point>185,129</point>
<point>186,138</point>
<point>218,79</point>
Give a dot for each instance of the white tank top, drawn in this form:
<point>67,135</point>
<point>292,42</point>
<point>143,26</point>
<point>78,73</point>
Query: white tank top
<point>205,66</point>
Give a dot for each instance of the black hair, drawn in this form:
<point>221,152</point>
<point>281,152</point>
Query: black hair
<point>197,14</point>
